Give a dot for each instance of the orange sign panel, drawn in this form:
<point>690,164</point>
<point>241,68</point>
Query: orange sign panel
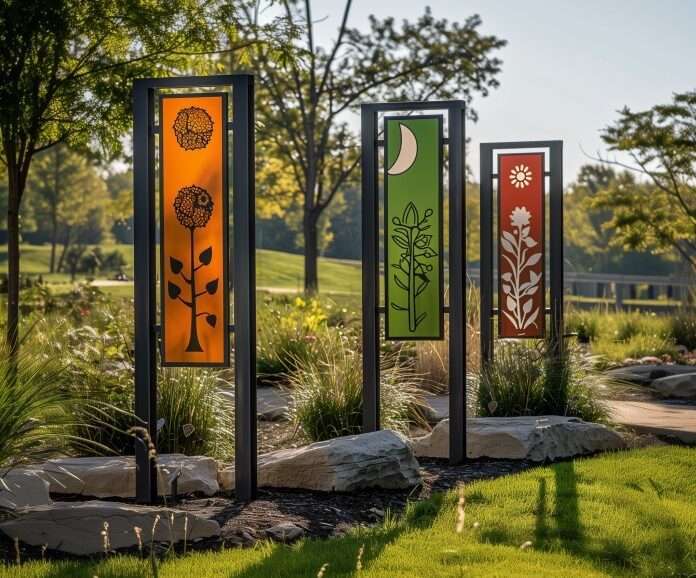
<point>194,225</point>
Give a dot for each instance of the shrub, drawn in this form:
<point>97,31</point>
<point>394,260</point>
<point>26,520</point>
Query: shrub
<point>683,328</point>
<point>634,348</point>
<point>585,323</point>
<point>629,325</point>
<point>286,337</point>
<point>36,409</point>
<point>525,380</point>
<point>327,392</point>
<point>195,418</point>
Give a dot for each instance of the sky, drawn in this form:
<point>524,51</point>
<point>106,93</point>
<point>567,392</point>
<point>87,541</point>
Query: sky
<point>568,65</point>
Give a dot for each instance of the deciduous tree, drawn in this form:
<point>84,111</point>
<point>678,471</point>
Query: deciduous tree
<point>305,101</point>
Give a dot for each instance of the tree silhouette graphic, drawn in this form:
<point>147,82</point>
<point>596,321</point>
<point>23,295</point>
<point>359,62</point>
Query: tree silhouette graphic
<point>194,207</point>
<point>193,128</point>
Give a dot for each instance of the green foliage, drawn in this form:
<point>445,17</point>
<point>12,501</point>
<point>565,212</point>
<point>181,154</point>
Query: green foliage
<point>327,391</point>
<point>660,141</point>
<point>525,380</point>
<point>683,328</point>
<point>585,323</point>
<point>196,419</point>
<point>36,409</point>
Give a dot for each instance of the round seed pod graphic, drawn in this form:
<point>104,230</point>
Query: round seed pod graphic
<point>193,128</point>
<point>193,206</point>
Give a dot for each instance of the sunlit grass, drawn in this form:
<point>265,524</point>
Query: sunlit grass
<point>620,515</point>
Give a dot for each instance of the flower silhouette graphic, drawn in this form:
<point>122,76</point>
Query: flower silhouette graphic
<point>193,128</point>
<point>193,207</point>
<point>520,176</point>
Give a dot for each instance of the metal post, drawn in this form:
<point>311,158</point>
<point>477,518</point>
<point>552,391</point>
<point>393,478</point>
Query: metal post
<point>370,269</point>
<point>486,283</point>
<point>556,246</point>
<point>244,287</point>
<point>457,287</point>
<point>144,292</point>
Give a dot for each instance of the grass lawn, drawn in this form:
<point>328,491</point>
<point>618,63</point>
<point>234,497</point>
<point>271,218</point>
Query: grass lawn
<point>620,515</point>
<point>274,269</point>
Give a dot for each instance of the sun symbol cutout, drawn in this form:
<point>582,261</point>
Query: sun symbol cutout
<point>520,176</point>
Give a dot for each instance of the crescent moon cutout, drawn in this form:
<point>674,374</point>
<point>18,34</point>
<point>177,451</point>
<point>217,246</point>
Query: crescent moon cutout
<point>407,153</point>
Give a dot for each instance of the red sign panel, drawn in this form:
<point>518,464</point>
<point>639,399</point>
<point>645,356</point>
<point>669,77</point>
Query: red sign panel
<point>521,219</point>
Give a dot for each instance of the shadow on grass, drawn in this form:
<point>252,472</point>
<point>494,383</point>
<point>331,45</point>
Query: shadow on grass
<point>307,557</point>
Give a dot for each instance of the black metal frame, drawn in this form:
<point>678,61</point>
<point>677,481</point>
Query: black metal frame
<point>225,242</point>
<point>243,273</point>
<point>457,272</point>
<point>555,216</point>
<point>441,267</point>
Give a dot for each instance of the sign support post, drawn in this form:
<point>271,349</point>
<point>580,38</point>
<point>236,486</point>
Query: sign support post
<point>372,309</point>
<point>196,207</point>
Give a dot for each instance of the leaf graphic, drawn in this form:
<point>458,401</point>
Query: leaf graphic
<point>492,406</point>
<point>511,318</point>
<point>530,242</point>
<point>429,253</point>
<point>534,277</point>
<point>410,216</point>
<point>525,232</point>
<point>173,290</point>
<point>400,283</point>
<point>212,287</point>
<point>531,319</point>
<point>175,265</point>
<point>507,276</point>
<point>531,290</point>
<point>423,241</point>
<point>211,319</point>
<point>509,236</point>
<point>507,245</point>
<point>420,318</point>
<point>188,429</point>
<point>507,289</point>
<point>527,307</point>
<point>510,302</point>
<point>533,260</point>
<point>400,242</point>
<point>206,256</point>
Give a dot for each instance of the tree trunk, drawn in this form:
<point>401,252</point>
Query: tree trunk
<point>13,273</point>
<point>311,253</point>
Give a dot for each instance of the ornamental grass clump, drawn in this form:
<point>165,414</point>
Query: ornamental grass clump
<point>327,391</point>
<point>526,380</point>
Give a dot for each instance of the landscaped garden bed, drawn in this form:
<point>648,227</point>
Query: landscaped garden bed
<point>623,514</point>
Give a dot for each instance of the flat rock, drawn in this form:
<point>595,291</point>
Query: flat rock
<point>676,386</point>
<point>20,488</point>
<point>535,438</point>
<point>272,403</point>
<point>661,418</point>
<point>114,477</point>
<point>645,374</point>
<point>76,527</point>
<point>285,532</point>
<point>381,459</point>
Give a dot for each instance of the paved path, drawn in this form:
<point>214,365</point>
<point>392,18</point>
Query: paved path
<point>657,417</point>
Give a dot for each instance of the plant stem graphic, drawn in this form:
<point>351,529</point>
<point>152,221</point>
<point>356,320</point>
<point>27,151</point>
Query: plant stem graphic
<point>409,235</point>
<point>193,207</point>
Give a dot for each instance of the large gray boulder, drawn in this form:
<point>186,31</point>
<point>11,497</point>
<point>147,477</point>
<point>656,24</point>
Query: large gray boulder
<point>645,374</point>
<point>535,438</point>
<point>76,527</point>
<point>677,386</point>
<point>20,488</point>
<point>114,477</point>
<point>381,459</point>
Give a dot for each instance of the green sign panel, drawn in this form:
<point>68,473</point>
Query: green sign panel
<point>413,227</point>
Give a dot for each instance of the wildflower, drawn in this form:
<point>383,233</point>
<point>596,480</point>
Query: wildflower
<point>139,536</point>
<point>460,511</point>
<point>358,565</point>
<point>322,570</point>
<point>526,545</point>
